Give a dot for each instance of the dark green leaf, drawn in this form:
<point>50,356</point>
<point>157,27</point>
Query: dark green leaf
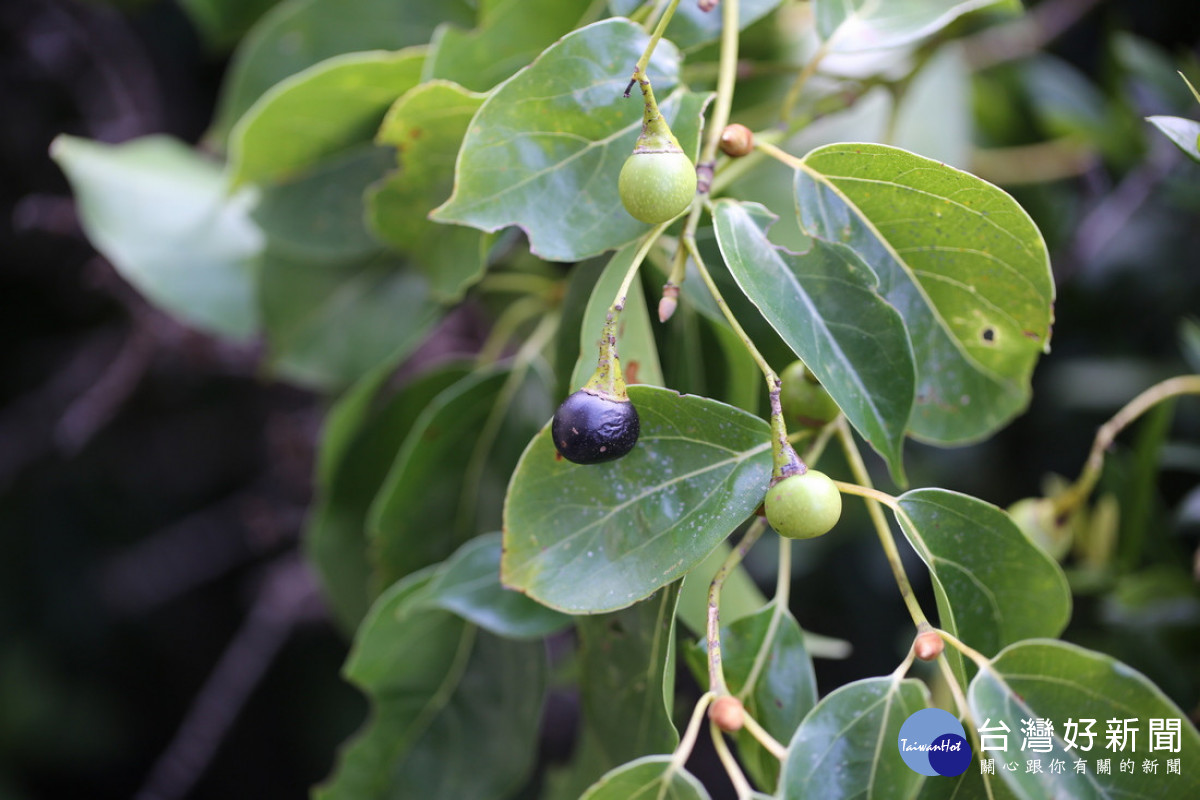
<point>596,538</point>
<point>426,126</point>
<point>1057,681</point>
<point>546,147</point>
<point>994,587</point>
<point>649,778</point>
<point>162,215</point>
<point>627,677</point>
<point>958,258</point>
<point>825,305</point>
<point>222,22</point>
<point>846,747</point>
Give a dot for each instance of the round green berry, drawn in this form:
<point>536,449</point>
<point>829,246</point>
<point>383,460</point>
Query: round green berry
<point>803,505</point>
<point>657,185</point>
<point>804,400</point>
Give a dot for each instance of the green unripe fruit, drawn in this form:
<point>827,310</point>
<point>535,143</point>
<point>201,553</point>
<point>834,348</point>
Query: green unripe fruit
<point>657,185</point>
<point>804,401</point>
<point>804,505</point>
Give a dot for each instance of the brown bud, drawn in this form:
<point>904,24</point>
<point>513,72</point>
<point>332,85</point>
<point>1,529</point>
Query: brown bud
<point>728,713</point>
<point>928,645</point>
<point>736,140</point>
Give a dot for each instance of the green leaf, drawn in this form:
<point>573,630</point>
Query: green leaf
<point>846,746</point>
<point>454,710</point>
<point>635,336</point>
<point>993,586</point>
<point>318,113</point>
<point>222,22</point>
<point>853,26</point>
<point>297,34</point>
<point>768,668</point>
<point>546,147</point>
<point>1185,133</point>
<point>426,126</point>
<point>509,36</point>
<point>959,259</point>
<point>585,539</point>
<point>330,323</point>
<point>162,215</point>
<point>627,677</point>
<point>691,27</point>
<point>362,434</point>
<point>447,482</point>
<point>934,116</point>
<point>1057,681</point>
<point>740,596</point>
<point>318,216</point>
<point>468,583</point>
<point>649,778</point>
<point>825,305</point>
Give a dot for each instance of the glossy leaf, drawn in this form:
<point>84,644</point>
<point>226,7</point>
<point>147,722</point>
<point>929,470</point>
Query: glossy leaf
<point>861,25</point>
<point>635,336</point>
<point>649,778</point>
<point>993,586</point>
<point>1057,681</point>
<point>1185,133</point>
<point>447,481</point>
<point>454,709</point>
<point>468,583</point>
<point>161,214</point>
<point>330,323</point>
<point>958,258</point>
<point>426,126</point>
<point>508,37</point>
<point>361,436</point>
<point>627,677</point>
<point>297,34</point>
<point>546,147</point>
<point>846,747</point>
<point>768,668</point>
<point>691,27</point>
<point>825,305</point>
<point>595,538</point>
<point>318,113</point>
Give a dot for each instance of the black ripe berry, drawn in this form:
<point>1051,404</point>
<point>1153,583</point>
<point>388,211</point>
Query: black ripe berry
<point>589,428</point>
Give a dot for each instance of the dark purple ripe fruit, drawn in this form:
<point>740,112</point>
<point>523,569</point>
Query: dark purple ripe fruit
<point>589,428</point>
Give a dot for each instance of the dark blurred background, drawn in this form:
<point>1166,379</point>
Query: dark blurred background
<point>159,633</point>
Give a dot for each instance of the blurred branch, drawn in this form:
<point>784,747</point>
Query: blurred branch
<point>1024,36</point>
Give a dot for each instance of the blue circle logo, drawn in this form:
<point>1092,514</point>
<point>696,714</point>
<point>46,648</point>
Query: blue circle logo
<point>933,742</point>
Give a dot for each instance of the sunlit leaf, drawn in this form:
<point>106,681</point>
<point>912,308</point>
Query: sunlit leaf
<point>600,537</point>
<point>846,746</point>
<point>825,305</point>
<point>161,214</point>
<point>860,25</point>
<point>959,259</point>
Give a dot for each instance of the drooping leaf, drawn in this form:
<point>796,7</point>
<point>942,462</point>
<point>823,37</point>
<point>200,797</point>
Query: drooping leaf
<point>585,539</point>
<point>318,113</point>
<point>860,25</point>
<point>162,215</point>
<point>1061,682</point>
<point>362,434</point>
<point>468,583</point>
<point>509,36</point>
<point>768,668</point>
<point>993,586</point>
<point>330,323</point>
<point>426,126</point>
<point>546,147</point>
<point>447,482</point>
<point>825,305</point>
<point>1185,133</point>
<point>958,258</point>
<point>635,337</point>
<point>454,709</point>
<point>649,778</point>
<point>627,677</point>
<point>297,34</point>
<point>846,746</point>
